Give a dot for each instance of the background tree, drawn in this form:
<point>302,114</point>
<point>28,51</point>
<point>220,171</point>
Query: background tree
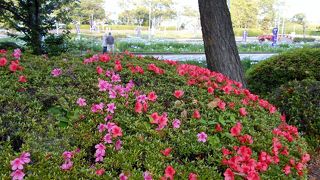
<point>266,14</point>
<point>89,10</point>
<point>244,13</point>
<point>219,42</point>
<point>35,18</point>
<point>300,18</point>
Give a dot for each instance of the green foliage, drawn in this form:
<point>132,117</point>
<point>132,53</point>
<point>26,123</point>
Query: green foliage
<point>9,45</point>
<point>35,18</point>
<point>292,65</point>
<point>301,39</point>
<point>252,32</point>
<point>244,13</point>
<point>88,9</point>
<point>56,44</point>
<point>300,101</point>
<point>42,117</point>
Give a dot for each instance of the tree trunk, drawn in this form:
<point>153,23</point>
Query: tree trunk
<point>219,40</point>
<point>36,29</point>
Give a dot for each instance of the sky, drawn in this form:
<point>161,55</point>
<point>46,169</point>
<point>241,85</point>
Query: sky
<point>291,7</point>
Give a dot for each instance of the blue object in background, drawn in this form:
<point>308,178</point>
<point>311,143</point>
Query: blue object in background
<point>274,37</point>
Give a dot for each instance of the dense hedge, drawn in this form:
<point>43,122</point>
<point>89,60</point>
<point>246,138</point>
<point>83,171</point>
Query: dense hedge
<point>301,39</point>
<point>122,116</point>
<point>300,101</point>
<point>293,65</point>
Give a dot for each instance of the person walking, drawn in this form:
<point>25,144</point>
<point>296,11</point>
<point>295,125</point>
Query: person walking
<point>110,43</point>
<point>104,43</point>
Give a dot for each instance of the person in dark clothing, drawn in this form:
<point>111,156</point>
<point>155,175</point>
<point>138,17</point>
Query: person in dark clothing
<point>110,43</point>
<point>104,43</point>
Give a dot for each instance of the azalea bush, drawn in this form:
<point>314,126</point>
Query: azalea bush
<point>298,64</point>
<point>300,101</point>
<point>127,117</point>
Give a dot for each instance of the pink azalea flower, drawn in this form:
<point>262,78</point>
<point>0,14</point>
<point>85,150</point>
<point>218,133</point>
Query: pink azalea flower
<point>147,176</point>
<point>110,126</point>
<point>176,123</point>
<point>115,78</point>
<point>104,85</point>
<point>67,165</point>
<point>56,72</point>
<point>122,176</point>
<point>25,157</point>
<point>100,147</point>
<point>17,53</point>
<point>17,164</point>
<point>102,127</point>
<point>111,108</point>
<point>118,145</point>
<point>81,102</point>
<point>142,98</point>
<point>17,175</point>
<point>97,107</point>
<point>112,94</point>
<point>107,138</point>
<point>67,155</point>
<point>202,137</point>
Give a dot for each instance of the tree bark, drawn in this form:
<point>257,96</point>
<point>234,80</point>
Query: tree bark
<point>219,40</point>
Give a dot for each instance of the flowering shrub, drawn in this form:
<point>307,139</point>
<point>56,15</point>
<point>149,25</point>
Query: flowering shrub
<point>127,117</point>
<point>300,101</point>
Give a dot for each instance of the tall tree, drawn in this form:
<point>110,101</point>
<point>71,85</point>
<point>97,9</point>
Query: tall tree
<point>300,18</point>
<point>34,18</point>
<point>244,13</point>
<point>219,40</point>
<point>89,10</point>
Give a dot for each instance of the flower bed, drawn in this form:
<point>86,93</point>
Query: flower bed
<point>130,117</point>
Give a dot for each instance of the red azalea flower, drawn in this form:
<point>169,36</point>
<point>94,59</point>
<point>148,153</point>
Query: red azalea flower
<point>100,172</point>
<point>152,96</point>
<point>169,172</point>
<point>210,90</point>
<point>225,151</point>
<point>3,61</point>
<point>243,111</point>
<point>145,107</point>
<point>287,169</point>
<point>178,93</point>
<point>196,114</point>
<point>166,152</point>
<point>99,70</point>
<point>228,174</point>
<point>116,131</point>
<point>218,128</point>
<point>138,107</point>
<point>235,130</point>
<point>193,176</point>
<point>22,79</point>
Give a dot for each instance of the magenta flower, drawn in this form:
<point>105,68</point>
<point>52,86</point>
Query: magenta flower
<point>115,78</point>
<point>81,102</point>
<point>17,175</point>
<point>56,72</point>
<point>112,94</point>
<point>123,177</point>
<point>142,98</point>
<point>118,145</point>
<point>104,85</point>
<point>202,137</point>
<point>97,107</point>
<point>100,147</point>
<point>25,157</point>
<point>108,117</point>
<point>111,108</point>
<point>102,127</point>
<point>147,176</point>
<point>176,123</point>
<point>67,155</point>
<point>17,53</point>
<point>108,73</point>
<point>67,165</point>
<point>17,164</point>
<point>107,138</point>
